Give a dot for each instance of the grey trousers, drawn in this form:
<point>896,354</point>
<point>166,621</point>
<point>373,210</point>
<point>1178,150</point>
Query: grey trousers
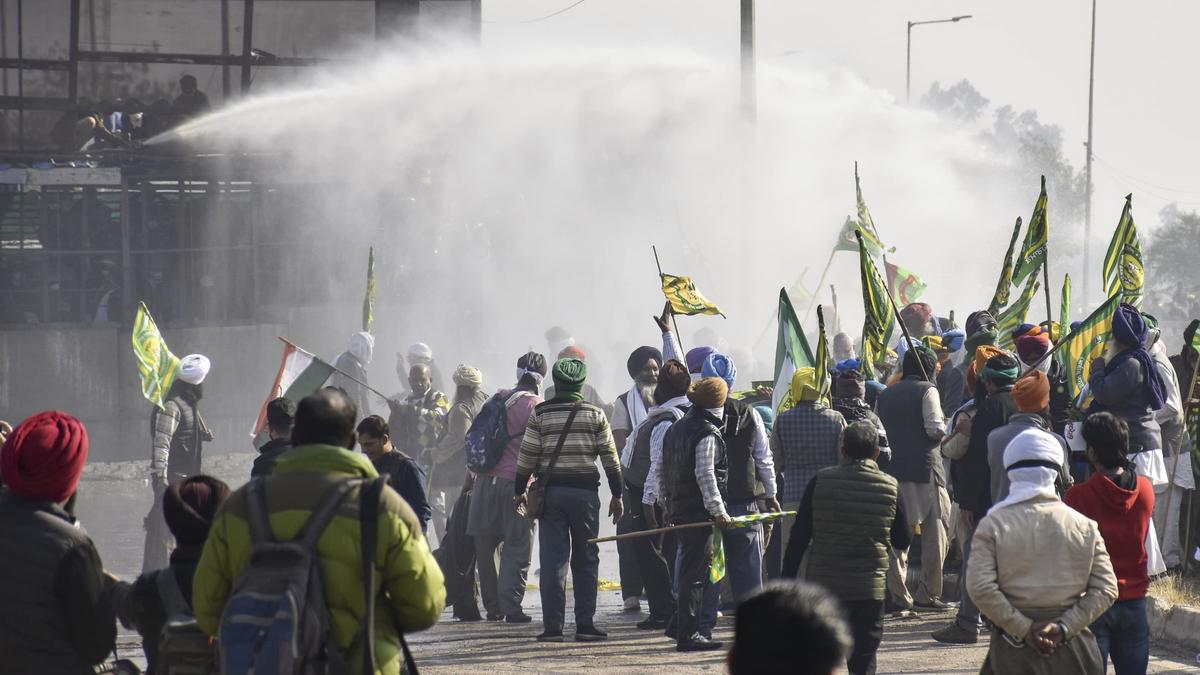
<point>500,534</point>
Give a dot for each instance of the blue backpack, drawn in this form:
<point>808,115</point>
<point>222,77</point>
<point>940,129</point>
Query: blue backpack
<point>488,436</point>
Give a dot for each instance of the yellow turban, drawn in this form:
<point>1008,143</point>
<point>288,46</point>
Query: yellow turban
<point>804,385</point>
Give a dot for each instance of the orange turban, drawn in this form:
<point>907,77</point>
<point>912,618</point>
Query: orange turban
<point>982,354</point>
<point>1032,392</point>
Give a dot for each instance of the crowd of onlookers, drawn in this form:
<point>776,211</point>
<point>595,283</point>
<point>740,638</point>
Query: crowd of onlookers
<point>126,122</point>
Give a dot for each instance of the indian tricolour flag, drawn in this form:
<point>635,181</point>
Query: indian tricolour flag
<point>300,374</point>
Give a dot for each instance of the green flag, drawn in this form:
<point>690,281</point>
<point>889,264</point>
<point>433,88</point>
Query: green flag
<point>905,285</point>
<point>716,568</point>
<point>1086,343</point>
<point>1033,252</point>
<point>878,323</point>
<point>1014,315</point>
<point>822,360</point>
<point>1124,274</point>
<point>1004,286</point>
<point>791,352</point>
<point>369,298</point>
<point>1064,307</point>
<point>866,224</point>
<point>848,242</point>
<point>156,365</point>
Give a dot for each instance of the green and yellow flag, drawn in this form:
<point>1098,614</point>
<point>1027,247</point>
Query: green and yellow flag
<point>369,298</point>
<point>1014,315</point>
<point>1004,286</point>
<point>866,224</point>
<point>1084,344</point>
<point>1033,252</point>
<point>685,299</point>
<point>156,365</point>
<point>1124,273</point>
<point>879,321</point>
<point>716,568</point>
<point>1064,307</point>
<point>824,384</point>
<point>791,353</point>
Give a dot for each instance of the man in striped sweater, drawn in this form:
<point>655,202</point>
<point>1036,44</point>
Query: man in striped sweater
<point>571,513</point>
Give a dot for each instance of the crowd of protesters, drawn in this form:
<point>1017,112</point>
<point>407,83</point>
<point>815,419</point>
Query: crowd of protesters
<point>958,444</point>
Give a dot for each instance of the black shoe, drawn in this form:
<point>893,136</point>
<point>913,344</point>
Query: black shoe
<point>470,618</point>
<point>589,634</point>
<point>699,643</point>
<point>518,618</point>
<point>551,636</point>
<point>934,605</point>
<point>653,623</point>
<point>495,617</point>
<point>670,630</point>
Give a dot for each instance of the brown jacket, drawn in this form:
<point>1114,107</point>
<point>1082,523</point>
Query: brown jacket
<point>1039,557</point>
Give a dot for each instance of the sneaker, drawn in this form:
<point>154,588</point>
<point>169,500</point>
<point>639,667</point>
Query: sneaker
<point>934,605</point>
<point>699,643</point>
<point>551,636</point>
<point>955,634</point>
<point>589,634</point>
<point>654,623</point>
<point>632,604</point>
<point>518,618</point>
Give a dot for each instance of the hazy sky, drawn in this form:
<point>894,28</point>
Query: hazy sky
<point>1031,54</point>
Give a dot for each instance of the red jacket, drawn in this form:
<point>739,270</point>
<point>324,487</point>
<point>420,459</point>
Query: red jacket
<point>1123,514</point>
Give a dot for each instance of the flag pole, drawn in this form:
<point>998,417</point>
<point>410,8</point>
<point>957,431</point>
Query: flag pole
<point>767,328</point>
<point>335,368</point>
<point>674,324</point>
<point>903,328</point>
<point>1049,304</point>
<point>648,533</point>
<point>820,282</point>
<point>837,314</point>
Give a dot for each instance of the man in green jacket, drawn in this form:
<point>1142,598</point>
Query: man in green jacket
<point>411,592</point>
<point>852,516</point>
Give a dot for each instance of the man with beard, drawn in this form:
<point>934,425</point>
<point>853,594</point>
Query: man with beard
<point>420,419</point>
<point>178,431</point>
<point>351,374</point>
<point>628,412</point>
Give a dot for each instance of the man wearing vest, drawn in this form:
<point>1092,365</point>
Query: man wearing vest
<point>911,411</point>
<point>853,517</point>
<point>643,453</point>
<point>695,480</point>
<point>751,476</point>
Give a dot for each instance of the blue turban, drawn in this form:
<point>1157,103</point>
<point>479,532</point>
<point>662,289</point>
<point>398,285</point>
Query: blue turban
<point>1129,328</point>
<point>719,365</point>
<point>696,356</point>
<point>847,365</point>
<point>953,339</point>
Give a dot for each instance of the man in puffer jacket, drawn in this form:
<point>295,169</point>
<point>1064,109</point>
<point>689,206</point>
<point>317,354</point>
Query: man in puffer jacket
<point>411,592</point>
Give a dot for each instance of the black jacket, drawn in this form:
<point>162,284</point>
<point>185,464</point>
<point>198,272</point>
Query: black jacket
<point>139,606</point>
<point>268,454</point>
<point>408,479</point>
<point>971,475</point>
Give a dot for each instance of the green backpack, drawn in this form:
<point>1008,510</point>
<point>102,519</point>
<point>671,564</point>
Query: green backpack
<point>183,649</point>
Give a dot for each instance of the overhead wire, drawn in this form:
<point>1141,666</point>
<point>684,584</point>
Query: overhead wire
<point>553,14</point>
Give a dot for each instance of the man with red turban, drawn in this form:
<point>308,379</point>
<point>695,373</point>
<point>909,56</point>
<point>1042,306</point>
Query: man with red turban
<point>56,615</point>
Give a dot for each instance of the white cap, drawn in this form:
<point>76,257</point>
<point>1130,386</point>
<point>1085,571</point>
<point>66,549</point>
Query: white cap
<point>193,368</point>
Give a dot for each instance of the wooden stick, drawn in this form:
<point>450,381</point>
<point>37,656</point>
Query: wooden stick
<point>335,368</point>
<point>648,533</point>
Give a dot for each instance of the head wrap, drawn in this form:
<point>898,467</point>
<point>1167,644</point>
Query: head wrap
<point>673,382</point>
<point>572,352</point>
<point>420,353</point>
<point>1026,329</point>
<point>362,346</point>
<point>953,339</point>
<point>847,364</point>
<point>1189,335</point>
<point>1001,369</point>
<point>467,376</point>
<point>981,329</point>
<point>193,368</point>
<point>1153,332</point>
<point>1031,393</point>
<point>1032,459</point>
<point>1129,329</point>
<point>569,375</point>
<point>695,358</point>
<point>928,361</point>
<point>982,355</point>
<point>934,343</point>
<point>1032,346</point>
<point>719,365</point>
<point>708,392</point>
<point>44,457</point>
<point>849,384</point>
<point>559,339</point>
<point>532,364</point>
<point>804,385</point>
<point>638,359</point>
<point>978,321</point>
<point>767,414</point>
<point>190,505</point>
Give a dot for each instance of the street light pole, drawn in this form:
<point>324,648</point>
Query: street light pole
<point>1087,204</point>
<point>749,87</point>
<point>908,57</point>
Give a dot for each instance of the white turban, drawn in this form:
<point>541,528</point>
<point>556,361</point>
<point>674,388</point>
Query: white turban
<point>362,345</point>
<point>193,368</point>
<point>420,353</point>
<point>1033,459</point>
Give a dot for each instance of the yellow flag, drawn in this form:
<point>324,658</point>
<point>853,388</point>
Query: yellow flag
<point>156,365</point>
<point>685,298</point>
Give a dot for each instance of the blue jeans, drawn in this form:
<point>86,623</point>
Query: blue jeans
<point>1123,633</point>
<point>743,565</point>
<point>571,517</point>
